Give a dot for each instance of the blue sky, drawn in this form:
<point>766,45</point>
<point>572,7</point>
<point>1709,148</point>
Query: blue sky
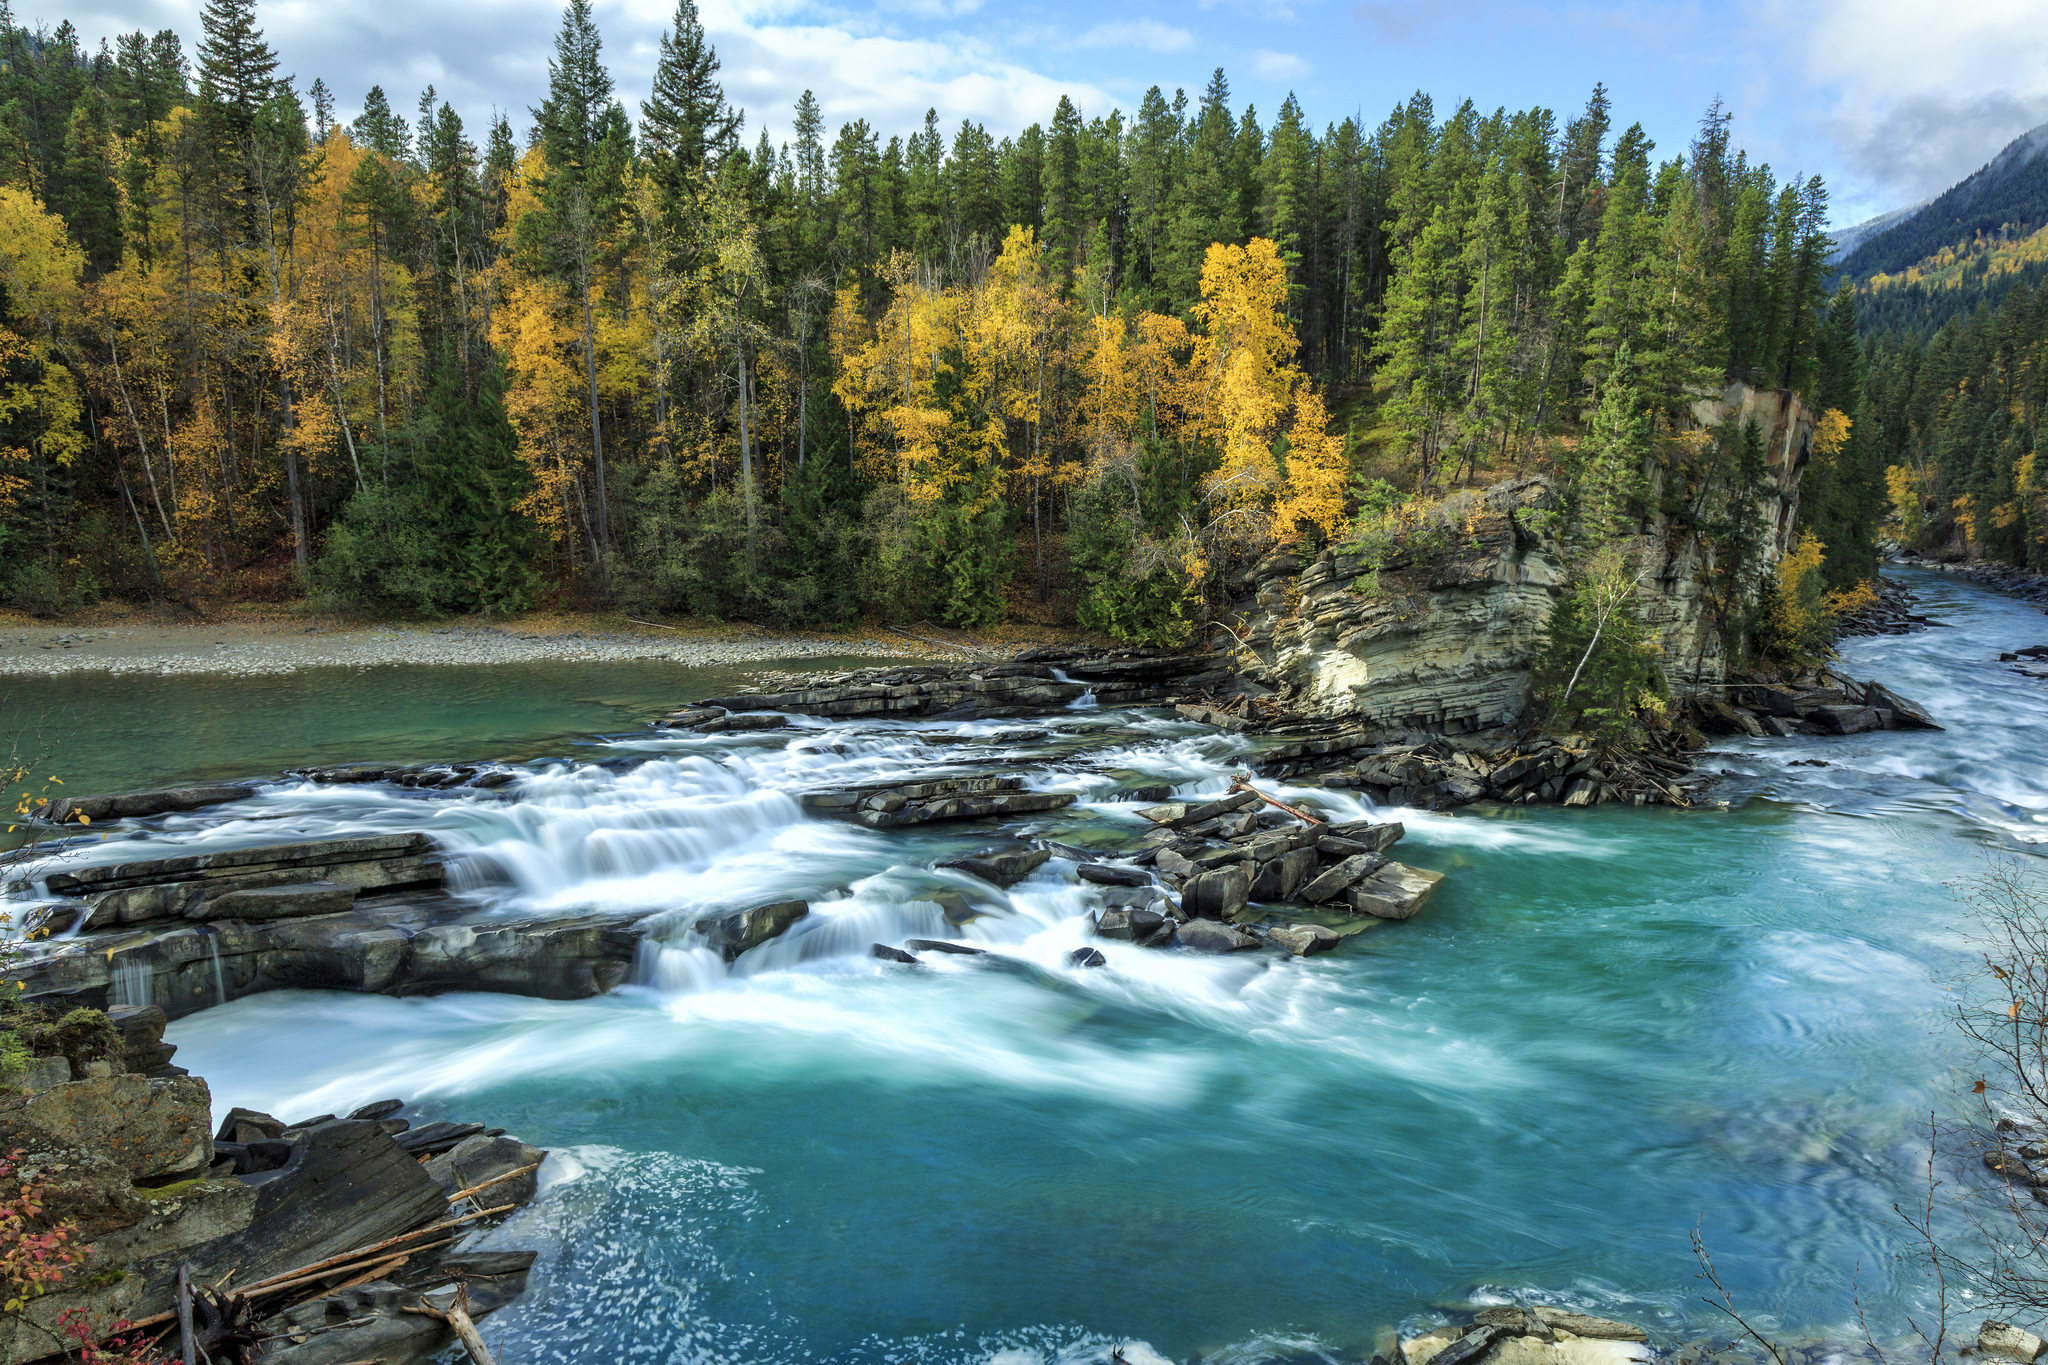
<point>1890,100</point>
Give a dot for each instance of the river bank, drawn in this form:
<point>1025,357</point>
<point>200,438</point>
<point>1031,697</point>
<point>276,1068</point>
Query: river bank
<point>133,643</point>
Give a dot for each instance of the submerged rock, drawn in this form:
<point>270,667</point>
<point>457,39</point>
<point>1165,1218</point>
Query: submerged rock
<point>888,954</point>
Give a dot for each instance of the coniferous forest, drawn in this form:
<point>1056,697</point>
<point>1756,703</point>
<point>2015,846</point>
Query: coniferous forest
<point>626,355</point>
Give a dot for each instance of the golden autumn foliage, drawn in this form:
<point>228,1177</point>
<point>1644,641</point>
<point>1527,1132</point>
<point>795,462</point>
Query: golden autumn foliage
<point>40,270</point>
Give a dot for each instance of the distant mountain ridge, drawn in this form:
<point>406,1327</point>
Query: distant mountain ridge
<point>2008,191</point>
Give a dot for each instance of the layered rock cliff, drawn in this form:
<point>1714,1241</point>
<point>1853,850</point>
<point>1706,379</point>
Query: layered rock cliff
<point>1439,632</point>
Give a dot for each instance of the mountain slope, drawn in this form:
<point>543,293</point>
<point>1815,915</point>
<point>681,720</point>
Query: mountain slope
<point>2009,191</point>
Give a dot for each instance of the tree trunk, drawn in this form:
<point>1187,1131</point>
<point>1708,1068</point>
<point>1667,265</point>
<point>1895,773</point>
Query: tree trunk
<point>747,463</point>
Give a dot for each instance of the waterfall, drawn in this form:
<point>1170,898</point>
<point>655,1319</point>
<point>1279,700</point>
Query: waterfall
<point>134,983</point>
<point>220,985</point>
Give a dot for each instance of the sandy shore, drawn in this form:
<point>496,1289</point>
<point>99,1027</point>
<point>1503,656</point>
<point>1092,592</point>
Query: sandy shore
<point>285,646</point>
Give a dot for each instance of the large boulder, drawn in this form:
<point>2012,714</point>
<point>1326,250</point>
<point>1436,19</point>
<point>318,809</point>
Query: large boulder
<point>1279,877</point>
<point>154,1129</point>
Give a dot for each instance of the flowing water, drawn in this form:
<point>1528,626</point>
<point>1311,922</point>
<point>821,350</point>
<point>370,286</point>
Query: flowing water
<point>1607,1025</point>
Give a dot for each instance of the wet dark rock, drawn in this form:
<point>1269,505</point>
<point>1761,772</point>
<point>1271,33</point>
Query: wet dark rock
<point>143,1049</point>
<point>939,945</point>
<point>275,902</point>
<point>1108,874</point>
<point>434,1138</point>
<point>1207,936</point>
<point>135,805</point>
<point>731,935</point>
<point>1846,720</point>
<point>1906,714</point>
<point>482,1157</point>
<point>1002,869</point>
<point>888,954</point>
<point>1086,957</point>
<point>1278,878</point>
<point>247,1125</point>
<point>379,1109</point>
<point>398,946</point>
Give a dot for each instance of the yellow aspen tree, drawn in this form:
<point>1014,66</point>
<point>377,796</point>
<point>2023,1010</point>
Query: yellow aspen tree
<point>1244,357</point>
<point>1318,471</point>
<point>41,270</point>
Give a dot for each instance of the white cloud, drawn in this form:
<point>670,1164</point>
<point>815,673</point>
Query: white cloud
<point>1920,100</point>
<point>1279,66</point>
<point>1149,34</point>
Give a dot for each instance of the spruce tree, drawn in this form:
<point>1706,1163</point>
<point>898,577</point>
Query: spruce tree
<point>685,124</point>
<point>237,69</point>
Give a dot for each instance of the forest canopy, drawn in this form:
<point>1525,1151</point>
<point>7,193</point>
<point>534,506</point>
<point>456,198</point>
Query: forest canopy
<point>626,355</point>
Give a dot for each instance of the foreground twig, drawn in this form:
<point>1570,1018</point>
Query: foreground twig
<point>1727,1303</point>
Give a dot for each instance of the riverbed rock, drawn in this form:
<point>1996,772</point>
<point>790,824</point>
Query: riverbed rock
<point>134,805</point>
<point>1217,894</point>
<point>1396,891</point>
<point>1278,877</point>
<point>731,935</point>
<point>888,954</point>
<point>143,1049</point>
<point>1304,940</point>
<point>1085,956</point>
<point>164,888</point>
<point>1208,936</point>
<point>1339,877</point>
<point>948,798</point>
<point>1908,714</point>
<point>395,946</point>
<point>275,902</point>
<point>1031,684</point>
<point>1006,868</point>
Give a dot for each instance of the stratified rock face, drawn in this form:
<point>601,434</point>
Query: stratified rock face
<point>1442,641</point>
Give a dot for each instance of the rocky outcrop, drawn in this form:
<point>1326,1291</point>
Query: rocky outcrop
<point>1436,631</point>
<point>731,935</point>
<point>294,1254</point>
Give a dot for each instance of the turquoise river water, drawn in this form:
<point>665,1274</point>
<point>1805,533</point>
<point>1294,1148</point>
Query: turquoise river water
<point>1608,1025</point>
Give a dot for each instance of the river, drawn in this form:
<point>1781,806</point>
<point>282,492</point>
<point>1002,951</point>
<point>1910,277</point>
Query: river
<point>1607,1025</point>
